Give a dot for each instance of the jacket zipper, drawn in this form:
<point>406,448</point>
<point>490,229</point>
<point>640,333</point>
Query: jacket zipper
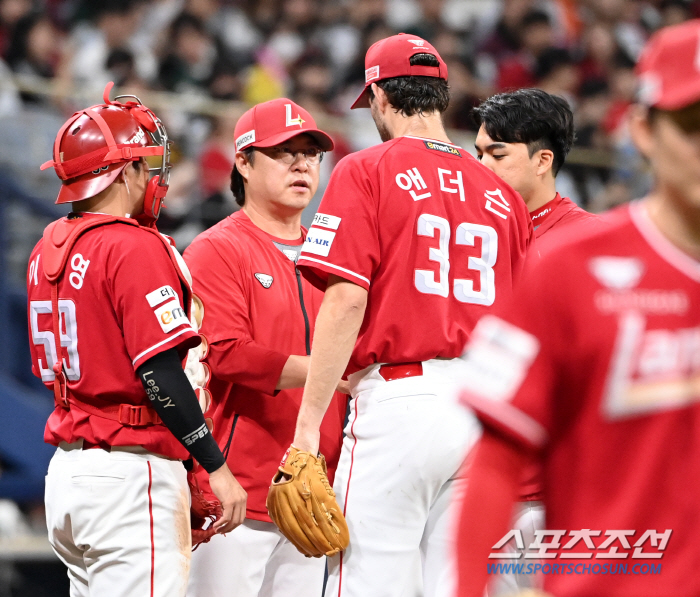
<point>303,310</point>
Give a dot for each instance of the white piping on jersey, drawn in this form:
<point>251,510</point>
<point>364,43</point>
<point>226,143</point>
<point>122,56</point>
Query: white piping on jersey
<point>433,140</point>
<point>187,329</point>
<point>342,269</point>
<point>661,245</point>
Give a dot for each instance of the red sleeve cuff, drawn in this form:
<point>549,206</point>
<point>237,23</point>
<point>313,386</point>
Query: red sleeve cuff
<point>317,271</point>
<point>183,340</point>
<point>246,363</point>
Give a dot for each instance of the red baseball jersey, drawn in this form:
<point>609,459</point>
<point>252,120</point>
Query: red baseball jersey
<point>551,224</point>
<point>121,303</point>
<point>434,236</point>
<point>596,365</point>
<point>258,310</point>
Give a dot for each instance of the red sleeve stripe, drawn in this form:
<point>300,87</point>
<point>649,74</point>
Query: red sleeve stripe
<point>504,416</point>
<point>159,344</point>
<point>342,269</point>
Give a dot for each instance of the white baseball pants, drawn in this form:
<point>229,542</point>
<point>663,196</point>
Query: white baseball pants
<point>398,472</point>
<point>254,560</point>
<point>119,521</point>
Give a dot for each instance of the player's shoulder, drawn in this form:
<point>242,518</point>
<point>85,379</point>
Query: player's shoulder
<point>229,238</point>
<point>122,237</point>
<point>614,233</point>
<point>367,159</point>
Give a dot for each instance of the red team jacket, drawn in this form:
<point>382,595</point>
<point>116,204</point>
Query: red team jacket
<point>120,300</point>
<point>434,236</point>
<point>258,310</point>
<point>603,383</point>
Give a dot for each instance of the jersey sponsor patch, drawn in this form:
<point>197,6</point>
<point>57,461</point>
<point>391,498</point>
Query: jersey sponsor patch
<point>161,295</point>
<point>171,315</point>
<point>326,221</point>
<point>318,242</point>
<point>264,279</point>
<point>442,147</point>
<point>498,358</point>
<point>245,139</point>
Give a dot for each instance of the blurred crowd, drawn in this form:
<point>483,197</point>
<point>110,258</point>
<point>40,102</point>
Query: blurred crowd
<point>247,51</point>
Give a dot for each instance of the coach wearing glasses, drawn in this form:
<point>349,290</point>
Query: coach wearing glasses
<point>258,323</point>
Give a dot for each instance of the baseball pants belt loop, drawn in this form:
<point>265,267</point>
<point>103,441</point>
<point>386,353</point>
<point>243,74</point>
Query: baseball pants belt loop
<point>392,371</point>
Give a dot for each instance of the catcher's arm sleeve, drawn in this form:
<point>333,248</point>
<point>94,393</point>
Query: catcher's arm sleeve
<point>175,402</point>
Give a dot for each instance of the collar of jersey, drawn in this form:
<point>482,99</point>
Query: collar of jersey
<point>661,245</point>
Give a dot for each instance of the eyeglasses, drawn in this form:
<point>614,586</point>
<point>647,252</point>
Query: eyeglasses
<point>312,155</point>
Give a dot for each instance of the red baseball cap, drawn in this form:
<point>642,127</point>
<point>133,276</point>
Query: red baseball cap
<point>390,57</point>
<point>274,122</point>
<point>669,67</point>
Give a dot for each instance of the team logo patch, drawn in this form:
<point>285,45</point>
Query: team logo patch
<point>618,273</point>
<point>245,139</point>
<point>291,255</point>
<point>264,279</point>
<point>371,74</point>
<point>442,147</point>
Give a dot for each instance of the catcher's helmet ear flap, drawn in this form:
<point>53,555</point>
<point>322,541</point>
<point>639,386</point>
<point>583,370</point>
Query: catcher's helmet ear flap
<point>153,201</point>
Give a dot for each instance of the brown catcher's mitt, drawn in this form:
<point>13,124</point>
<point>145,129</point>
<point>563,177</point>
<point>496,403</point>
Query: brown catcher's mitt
<point>302,504</point>
<point>205,507</point>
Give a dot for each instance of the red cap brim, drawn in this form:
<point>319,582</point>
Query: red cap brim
<point>323,139</point>
<point>363,100</point>
<point>87,185</point>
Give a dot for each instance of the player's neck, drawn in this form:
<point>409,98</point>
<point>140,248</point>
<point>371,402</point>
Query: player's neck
<point>426,126</point>
<point>678,221</point>
<point>113,201</point>
<point>541,195</point>
<point>276,222</point>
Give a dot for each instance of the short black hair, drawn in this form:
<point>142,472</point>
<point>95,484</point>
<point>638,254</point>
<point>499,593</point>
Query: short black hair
<point>417,94</point>
<point>530,116</point>
<point>237,186</point>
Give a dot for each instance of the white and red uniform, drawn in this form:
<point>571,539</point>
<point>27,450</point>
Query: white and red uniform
<point>436,238</point>
<point>258,310</point>
<point>596,367</point>
<point>118,309</point>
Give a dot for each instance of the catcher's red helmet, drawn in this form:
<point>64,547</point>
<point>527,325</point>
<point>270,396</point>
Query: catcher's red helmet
<point>97,143</point>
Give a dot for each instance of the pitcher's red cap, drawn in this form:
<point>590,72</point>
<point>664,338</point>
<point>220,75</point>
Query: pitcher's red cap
<point>274,122</point>
<point>669,67</point>
<point>390,57</point>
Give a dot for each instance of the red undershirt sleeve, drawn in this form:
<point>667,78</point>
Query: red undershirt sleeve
<point>246,363</point>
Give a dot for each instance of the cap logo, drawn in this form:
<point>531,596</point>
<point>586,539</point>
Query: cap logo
<point>245,139</point>
<point>416,42</point>
<point>371,74</point>
<point>292,121</point>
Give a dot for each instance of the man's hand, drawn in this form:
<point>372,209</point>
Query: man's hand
<point>343,386</point>
<point>232,497</point>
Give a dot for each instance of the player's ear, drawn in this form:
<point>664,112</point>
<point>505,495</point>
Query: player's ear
<point>243,164</point>
<point>640,126</point>
<point>379,96</point>
<point>545,161</point>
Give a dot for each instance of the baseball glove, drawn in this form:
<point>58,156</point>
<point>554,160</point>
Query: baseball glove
<point>302,504</point>
<point>204,507</point>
